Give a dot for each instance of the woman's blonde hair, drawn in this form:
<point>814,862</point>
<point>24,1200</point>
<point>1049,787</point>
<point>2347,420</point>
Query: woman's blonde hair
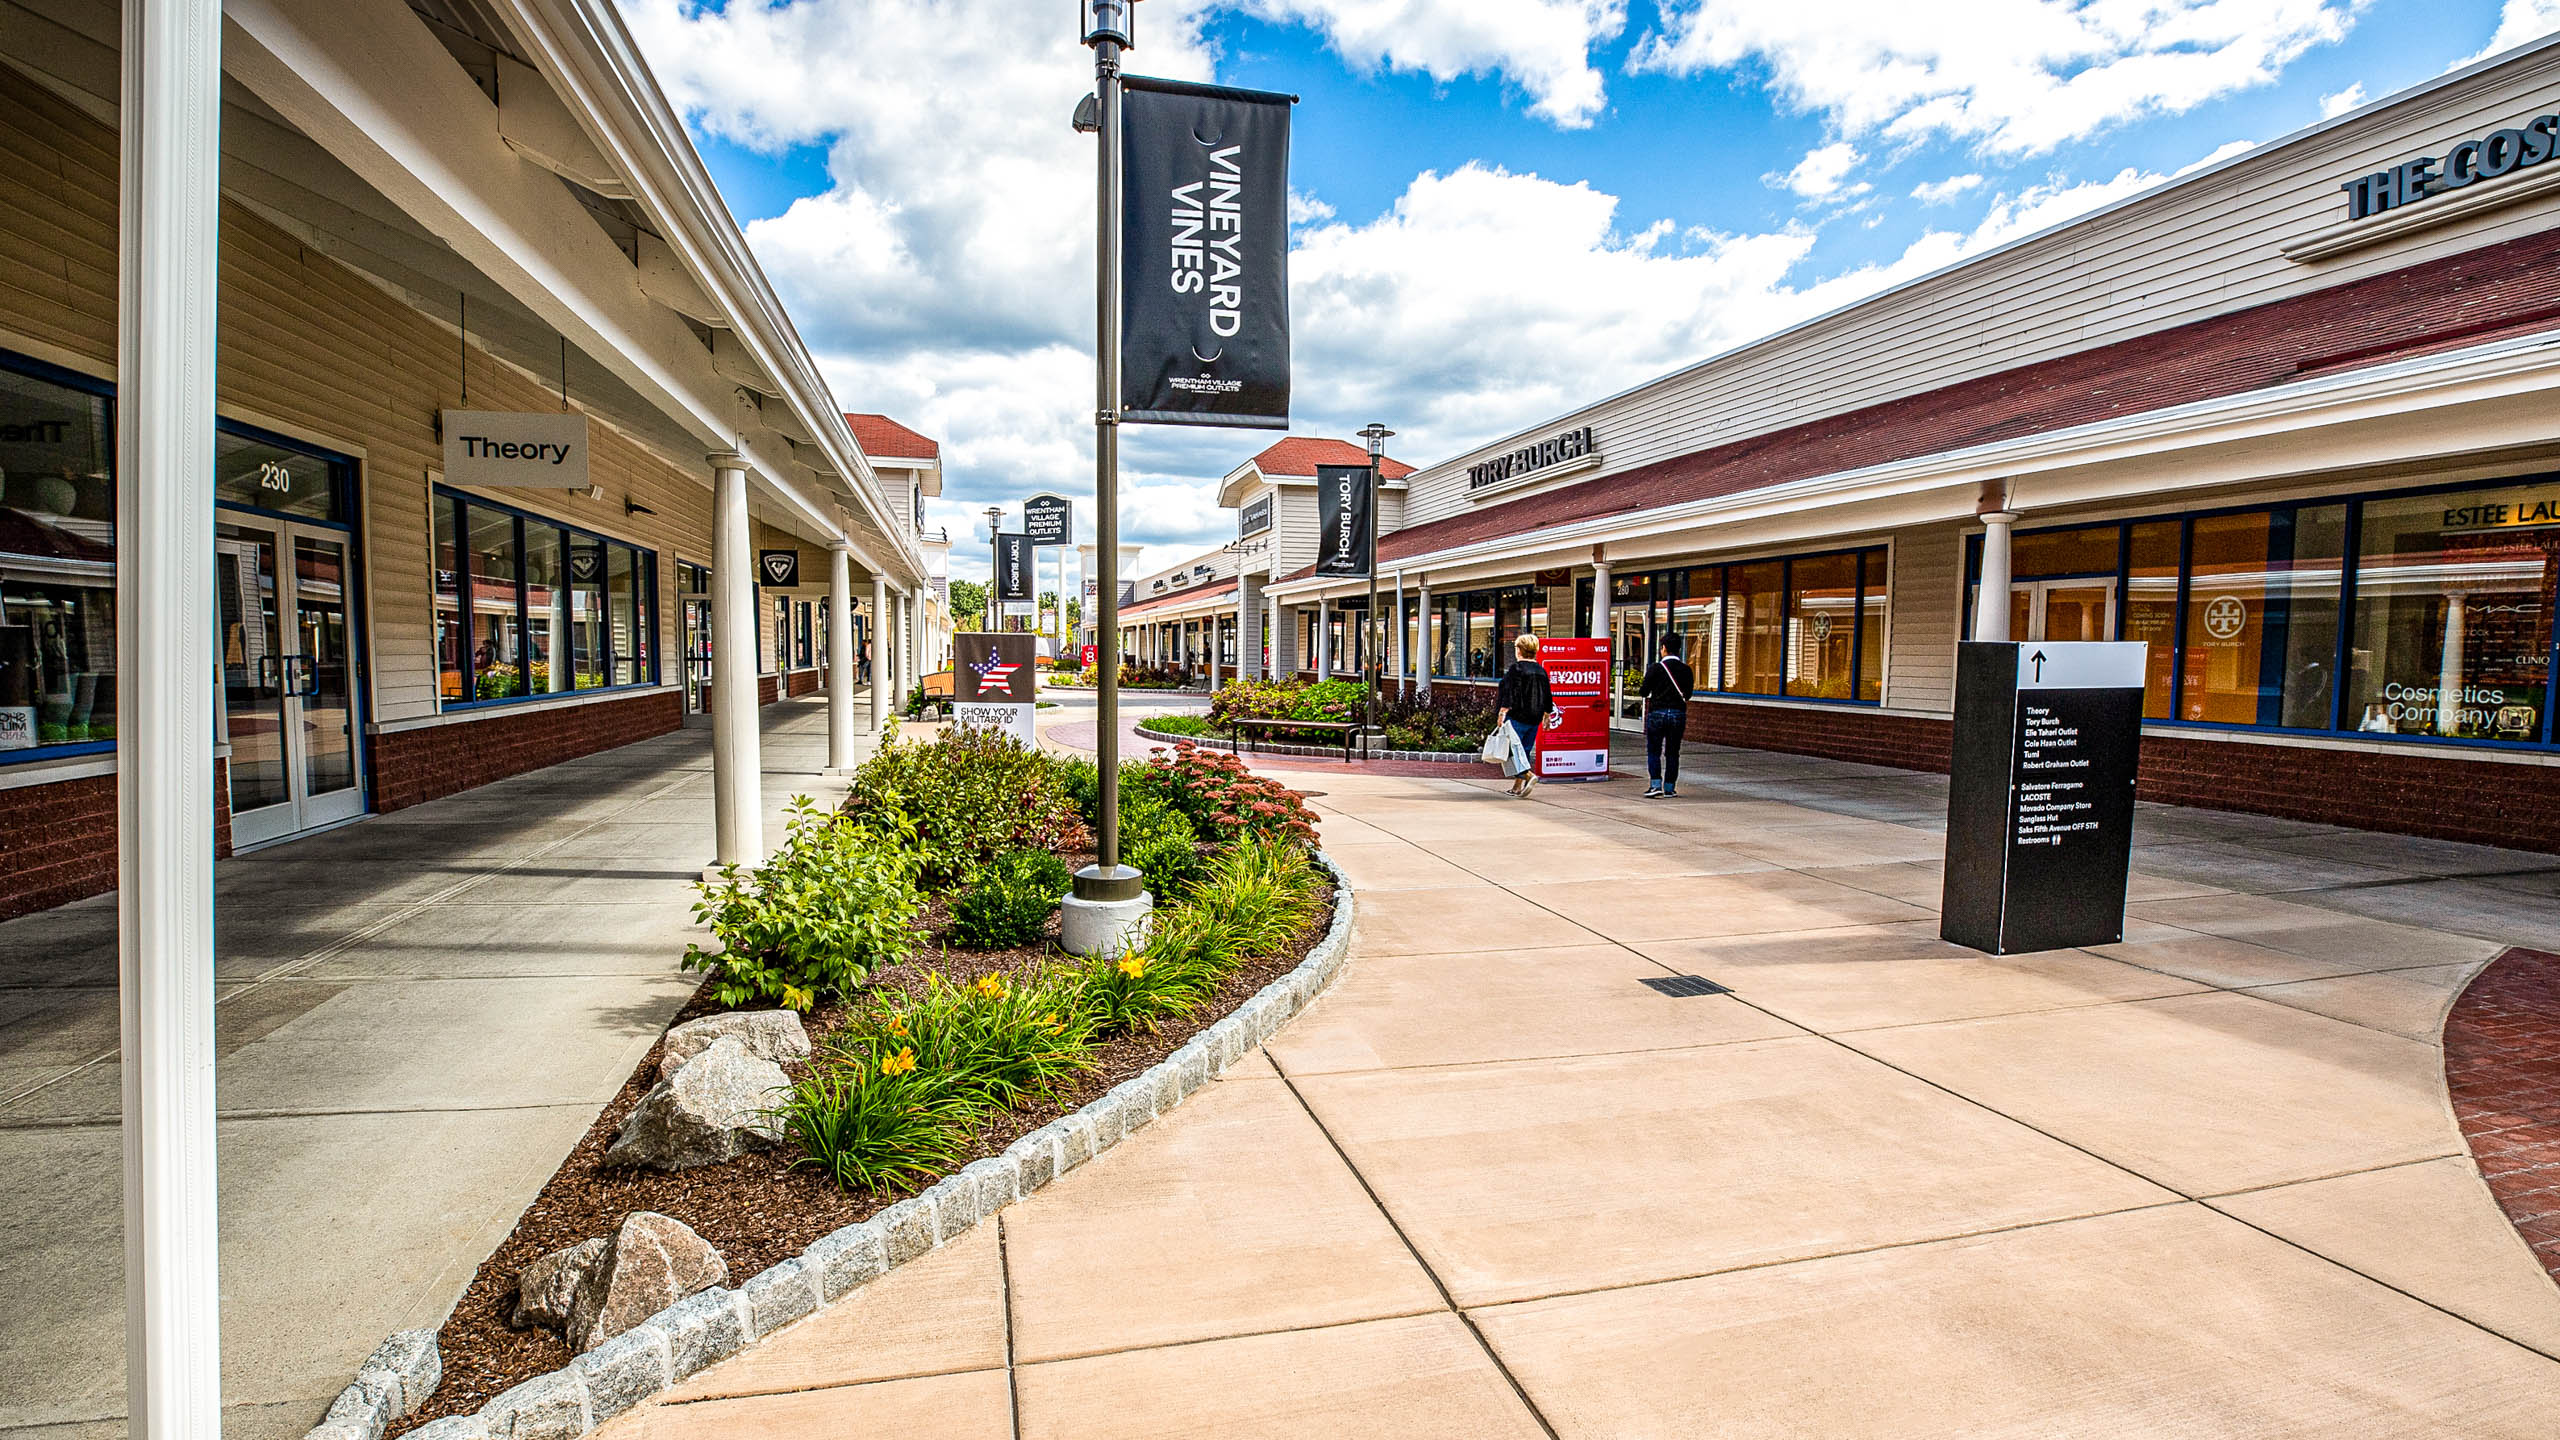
<point>1526,647</point>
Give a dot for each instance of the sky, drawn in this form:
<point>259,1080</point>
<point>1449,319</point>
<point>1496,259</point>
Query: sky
<point>1500,209</point>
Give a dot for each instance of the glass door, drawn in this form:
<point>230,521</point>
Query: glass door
<point>1631,635</point>
<point>288,673</point>
<point>2063,610</point>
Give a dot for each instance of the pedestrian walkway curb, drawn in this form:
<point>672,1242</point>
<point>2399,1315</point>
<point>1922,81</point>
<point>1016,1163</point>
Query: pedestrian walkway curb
<point>1321,752</point>
<point>692,1334</point>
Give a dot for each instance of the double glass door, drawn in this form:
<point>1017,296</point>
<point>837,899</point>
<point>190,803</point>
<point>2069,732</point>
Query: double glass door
<point>2075,609</point>
<point>1631,643</point>
<point>697,653</point>
<point>288,675</point>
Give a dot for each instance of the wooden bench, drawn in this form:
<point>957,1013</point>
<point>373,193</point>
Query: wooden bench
<point>937,686</point>
<point>1250,730</point>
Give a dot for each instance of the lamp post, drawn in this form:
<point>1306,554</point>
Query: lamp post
<point>1373,647</point>
<point>995,568</point>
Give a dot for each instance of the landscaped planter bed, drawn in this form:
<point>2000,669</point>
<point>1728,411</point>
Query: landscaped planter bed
<point>1327,752</point>
<point>1252,934</point>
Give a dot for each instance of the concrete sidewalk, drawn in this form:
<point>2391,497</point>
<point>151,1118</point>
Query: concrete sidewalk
<point>2203,1183</point>
<point>417,1017</point>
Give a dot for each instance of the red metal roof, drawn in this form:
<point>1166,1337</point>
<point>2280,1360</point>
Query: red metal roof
<point>2480,295</point>
<point>879,435</point>
<point>1301,454</point>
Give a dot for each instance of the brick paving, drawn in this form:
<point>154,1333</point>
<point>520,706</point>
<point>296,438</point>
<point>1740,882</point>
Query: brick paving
<point>2502,1066</point>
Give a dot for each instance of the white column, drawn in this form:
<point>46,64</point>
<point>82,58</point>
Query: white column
<point>840,661</point>
<point>1209,623</point>
<point>1422,627</point>
<point>880,678</point>
<point>737,759</point>
<point>167,299</point>
<point>1324,638</point>
<point>1248,657</point>
<point>1273,615</point>
<point>1397,640</point>
<point>2449,666</point>
<point>1991,602</point>
<point>1600,598</point>
<point>910,656</point>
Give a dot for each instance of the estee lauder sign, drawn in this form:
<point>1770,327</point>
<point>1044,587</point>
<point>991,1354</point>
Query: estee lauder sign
<point>1529,459</point>
<point>2497,153</point>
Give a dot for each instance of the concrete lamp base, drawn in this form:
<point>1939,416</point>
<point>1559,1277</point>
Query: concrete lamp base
<point>1107,912</point>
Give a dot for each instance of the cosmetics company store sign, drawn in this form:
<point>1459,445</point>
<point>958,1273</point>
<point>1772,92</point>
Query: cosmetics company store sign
<point>508,449</point>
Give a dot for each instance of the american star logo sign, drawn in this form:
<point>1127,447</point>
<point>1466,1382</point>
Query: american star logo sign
<point>994,674</point>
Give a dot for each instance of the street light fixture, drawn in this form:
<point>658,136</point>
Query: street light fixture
<point>1374,649</point>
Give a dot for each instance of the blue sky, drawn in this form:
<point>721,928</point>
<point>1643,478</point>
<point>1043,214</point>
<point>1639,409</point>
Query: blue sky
<point>1515,205</point>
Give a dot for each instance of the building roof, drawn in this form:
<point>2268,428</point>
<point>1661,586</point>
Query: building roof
<point>1301,454</point>
<point>1209,591</point>
<point>879,436</point>
<point>2495,292</point>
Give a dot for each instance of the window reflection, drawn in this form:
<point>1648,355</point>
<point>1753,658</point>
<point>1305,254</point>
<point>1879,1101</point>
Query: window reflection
<point>2453,613</point>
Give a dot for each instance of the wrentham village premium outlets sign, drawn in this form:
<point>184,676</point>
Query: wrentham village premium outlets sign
<point>2496,154</point>
<point>1558,455</point>
<point>503,449</point>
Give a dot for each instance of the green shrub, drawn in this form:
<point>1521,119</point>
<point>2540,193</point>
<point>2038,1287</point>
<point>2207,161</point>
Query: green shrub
<point>1248,904</point>
<point>877,1121</point>
<point>1159,840</point>
<point>1082,780</point>
<point>1179,724</point>
<point>1009,901</point>
<point>1258,894</point>
<point>1252,700</point>
<point>814,921</point>
<point>1137,992</point>
<point>970,796</point>
<point>1224,800</point>
<point>1329,700</point>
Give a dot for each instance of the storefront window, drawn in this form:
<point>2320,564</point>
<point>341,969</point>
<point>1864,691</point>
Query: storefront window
<point>1484,660</point>
<point>1697,619</point>
<point>57,564</point>
<point>2151,609</point>
<point>1875,594</point>
<point>1755,622</point>
<point>1822,626</point>
<point>2262,617</point>
<point>552,609</point>
<point>2453,613</point>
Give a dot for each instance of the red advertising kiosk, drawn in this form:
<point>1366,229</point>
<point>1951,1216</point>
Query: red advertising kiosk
<point>1574,744</point>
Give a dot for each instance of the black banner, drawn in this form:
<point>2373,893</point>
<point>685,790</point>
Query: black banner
<point>1047,520</point>
<point>1345,513</point>
<point>778,568</point>
<point>1204,259</point>
<point>1013,568</point>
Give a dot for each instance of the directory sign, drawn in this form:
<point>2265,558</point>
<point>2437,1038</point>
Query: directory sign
<point>1574,742</point>
<point>2040,796</point>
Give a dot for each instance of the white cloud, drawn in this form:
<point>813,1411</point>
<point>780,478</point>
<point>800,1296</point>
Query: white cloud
<point>1305,209</point>
<point>2333,106</point>
<point>1939,192</point>
<point>2017,77</point>
<point>2518,22</point>
<point>1822,172</point>
<point>1543,46</point>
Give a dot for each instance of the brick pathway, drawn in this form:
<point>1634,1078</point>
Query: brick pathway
<point>2502,1064</point>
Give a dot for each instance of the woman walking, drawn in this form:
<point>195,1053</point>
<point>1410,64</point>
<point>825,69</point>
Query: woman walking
<point>1524,701</point>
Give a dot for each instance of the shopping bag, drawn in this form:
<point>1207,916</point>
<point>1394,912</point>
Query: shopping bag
<point>1497,749</point>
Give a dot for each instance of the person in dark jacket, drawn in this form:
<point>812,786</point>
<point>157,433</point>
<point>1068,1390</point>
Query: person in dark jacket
<point>1524,700</point>
<point>1667,683</point>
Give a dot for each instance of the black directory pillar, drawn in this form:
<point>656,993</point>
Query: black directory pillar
<point>2040,801</point>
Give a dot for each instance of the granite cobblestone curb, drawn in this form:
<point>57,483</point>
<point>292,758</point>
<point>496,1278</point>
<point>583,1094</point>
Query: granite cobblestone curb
<point>704,1329</point>
<point>1321,752</point>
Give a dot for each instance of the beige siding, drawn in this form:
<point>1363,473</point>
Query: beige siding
<point>310,348</point>
<point>1920,640</point>
<point>2202,247</point>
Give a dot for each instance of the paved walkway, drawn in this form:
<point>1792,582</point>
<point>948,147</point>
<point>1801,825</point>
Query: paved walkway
<point>2203,1183</point>
<point>417,1017</point>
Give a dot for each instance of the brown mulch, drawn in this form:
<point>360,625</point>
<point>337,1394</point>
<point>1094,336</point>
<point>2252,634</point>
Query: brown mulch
<point>757,1210</point>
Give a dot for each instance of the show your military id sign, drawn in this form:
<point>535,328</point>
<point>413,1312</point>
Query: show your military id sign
<point>996,683</point>
<point>2040,799</point>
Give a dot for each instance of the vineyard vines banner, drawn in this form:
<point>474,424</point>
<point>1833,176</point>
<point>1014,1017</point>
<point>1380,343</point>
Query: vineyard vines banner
<point>1345,514</point>
<point>1562,449</point>
<point>1204,260</point>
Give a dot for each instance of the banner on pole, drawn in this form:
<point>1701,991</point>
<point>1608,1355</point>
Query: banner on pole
<point>1205,256</point>
<point>1013,568</point>
<point>1574,741</point>
<point>1345,512</point>
<point>996,684</point>
<point>1048,521</point>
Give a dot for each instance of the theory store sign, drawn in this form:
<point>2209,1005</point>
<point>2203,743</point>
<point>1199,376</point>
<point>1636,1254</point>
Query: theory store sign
<point>2498,153</point>
<point>1571,450</point>
<point>525,450</point>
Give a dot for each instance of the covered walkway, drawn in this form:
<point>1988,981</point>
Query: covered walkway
<point>417,1016</point>
<point>2202,1183</point>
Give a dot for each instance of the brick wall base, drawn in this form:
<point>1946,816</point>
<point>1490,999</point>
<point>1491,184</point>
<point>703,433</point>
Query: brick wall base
<point>805,682</point>
<point>1905,742</point>
<point>411,767</point>
<point>58,842</point>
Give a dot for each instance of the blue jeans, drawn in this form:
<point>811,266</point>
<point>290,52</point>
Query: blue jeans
<point>1662,731</point>
<point>1528,733</point>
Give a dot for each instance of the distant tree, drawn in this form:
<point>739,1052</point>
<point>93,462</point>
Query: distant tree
<point>968,604</point>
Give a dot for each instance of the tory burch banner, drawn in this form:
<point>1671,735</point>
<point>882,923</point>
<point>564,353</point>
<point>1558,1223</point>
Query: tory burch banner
<point>1204,258</point>
<point>1345,510</point>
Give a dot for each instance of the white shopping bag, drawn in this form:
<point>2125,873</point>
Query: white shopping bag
<point>1497,747</point>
